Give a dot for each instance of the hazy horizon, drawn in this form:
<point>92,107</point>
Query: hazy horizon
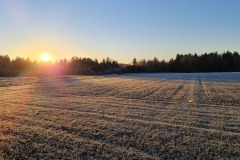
<point>121,30</point>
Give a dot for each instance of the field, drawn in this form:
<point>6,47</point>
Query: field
<point>135,116</point>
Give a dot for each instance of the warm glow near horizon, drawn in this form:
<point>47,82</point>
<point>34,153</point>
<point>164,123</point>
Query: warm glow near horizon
<point>45,57</point>
<point>121,30</point>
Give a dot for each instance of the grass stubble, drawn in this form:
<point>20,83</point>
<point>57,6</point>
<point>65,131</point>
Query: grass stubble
<point>119,118</point>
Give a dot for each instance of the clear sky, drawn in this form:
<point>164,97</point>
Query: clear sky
<point>120,29</point>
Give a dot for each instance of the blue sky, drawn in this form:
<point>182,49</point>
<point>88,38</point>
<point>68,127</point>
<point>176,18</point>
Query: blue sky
<point>120,29</point>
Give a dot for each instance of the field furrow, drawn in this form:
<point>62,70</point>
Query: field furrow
<point>91,117</point>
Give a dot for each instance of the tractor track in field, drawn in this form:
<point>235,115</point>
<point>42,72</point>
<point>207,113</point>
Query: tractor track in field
<point>120,118</point>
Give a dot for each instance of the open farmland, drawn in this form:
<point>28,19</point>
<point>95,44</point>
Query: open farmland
<point>136,116</point>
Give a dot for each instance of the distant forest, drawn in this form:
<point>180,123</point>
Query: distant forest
<point>208,62</point>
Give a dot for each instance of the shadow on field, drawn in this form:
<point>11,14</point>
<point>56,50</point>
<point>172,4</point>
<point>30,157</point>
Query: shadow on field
<point>115,117</point>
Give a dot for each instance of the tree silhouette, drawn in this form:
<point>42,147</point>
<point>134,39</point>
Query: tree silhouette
<point>207,62</point>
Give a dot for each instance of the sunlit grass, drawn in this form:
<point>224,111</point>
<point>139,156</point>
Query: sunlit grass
<point>105,118</point>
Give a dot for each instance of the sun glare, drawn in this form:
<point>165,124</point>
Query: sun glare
<point>45,58</point>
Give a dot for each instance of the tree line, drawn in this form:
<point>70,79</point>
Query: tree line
<point>207,62</point>
<point>77,65</point>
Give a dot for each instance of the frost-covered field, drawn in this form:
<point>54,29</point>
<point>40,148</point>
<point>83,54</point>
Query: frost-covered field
<point>135,116</point>
<point>191,76</point>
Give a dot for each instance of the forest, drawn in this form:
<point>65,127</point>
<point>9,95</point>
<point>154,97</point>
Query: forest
<point>186,63</point>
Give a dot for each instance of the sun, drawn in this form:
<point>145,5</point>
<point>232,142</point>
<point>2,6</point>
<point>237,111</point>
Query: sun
<point>45,57</point>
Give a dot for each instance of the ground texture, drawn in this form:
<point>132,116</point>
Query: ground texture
<point>154,116</point>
